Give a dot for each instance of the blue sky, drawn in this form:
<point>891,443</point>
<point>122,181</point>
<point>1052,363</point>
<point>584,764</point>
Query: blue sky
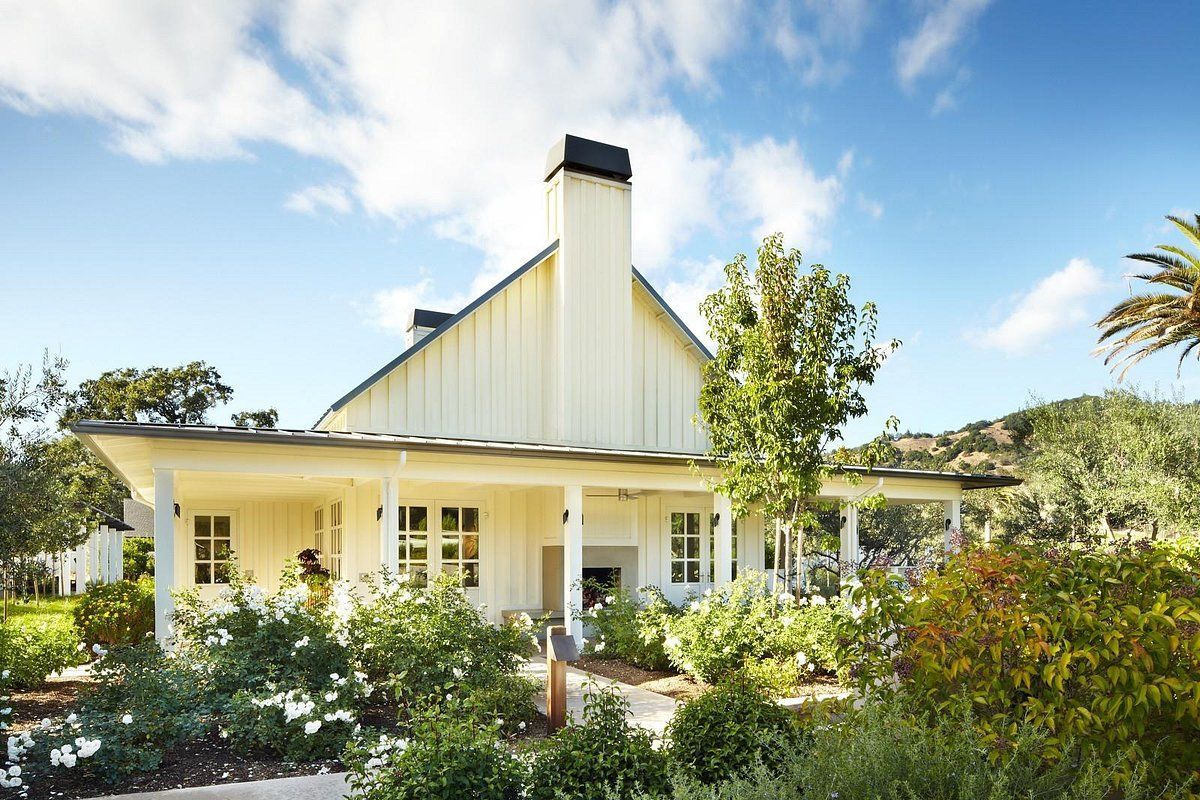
<point>270,187</point>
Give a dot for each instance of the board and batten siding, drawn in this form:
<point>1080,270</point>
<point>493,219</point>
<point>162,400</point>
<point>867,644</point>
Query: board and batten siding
<point>493,376</point>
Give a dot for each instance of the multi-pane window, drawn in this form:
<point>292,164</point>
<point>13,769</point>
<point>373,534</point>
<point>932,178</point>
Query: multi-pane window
<point>335,540</point>
<point>685,547</point>
<point>460,543</point>
<point>319,532</point>
<point>733,549</point>
<point>414,542</point>
<point>212,536</point>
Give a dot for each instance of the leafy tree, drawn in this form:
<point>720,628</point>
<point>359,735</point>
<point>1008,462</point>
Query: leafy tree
<point>793,355</point>
<point>1167,316</point>
<point>1102,465</point>
<point>182,395</point>
<point>266,418</point>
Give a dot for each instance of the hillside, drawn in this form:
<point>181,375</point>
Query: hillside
<point>989,445</point>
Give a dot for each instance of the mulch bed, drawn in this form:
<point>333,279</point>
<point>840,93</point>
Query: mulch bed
<point>203,762</point>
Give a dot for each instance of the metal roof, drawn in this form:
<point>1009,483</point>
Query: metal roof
<point>393,441</point>
<point>112,522</point>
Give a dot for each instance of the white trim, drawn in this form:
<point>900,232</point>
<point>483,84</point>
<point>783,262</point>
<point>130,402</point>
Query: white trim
<point>235,540</point>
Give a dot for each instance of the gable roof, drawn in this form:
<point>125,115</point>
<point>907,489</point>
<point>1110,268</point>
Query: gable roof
<point>454,319</point>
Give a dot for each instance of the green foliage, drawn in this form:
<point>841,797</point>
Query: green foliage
<point>726,731</point>
<point>1099,649</point>
<point>262,644</point>
<point>742,621</point>
<point>34,645</point>
<point>298,724</point>
<point>602,755</point>
<point>265,418</point>
<point>444,756</point>
<point>420,638</point>
<point>116,614</point>
<point>792,358</point>
<point>504,700</point>
<point>141,704</point>
<point>183,394</point>
<point>883,752</point>
<point>629,630</point>
<point>1145,324</point>
<point>1100,464</point>
<point>138,557</point>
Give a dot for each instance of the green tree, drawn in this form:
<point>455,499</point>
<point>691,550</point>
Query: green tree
<point>266,418</point>
<point>1101,467</point>
<point>181,395</point>
<point>1162,318</point>
<point>793,354</point>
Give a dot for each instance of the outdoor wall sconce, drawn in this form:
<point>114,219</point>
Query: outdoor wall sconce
<point>843,519</point>
<point>379,513</point>
<point>947,523</point>
<point>177,509</point>
<point>716,519</point>
<point>566,514</point>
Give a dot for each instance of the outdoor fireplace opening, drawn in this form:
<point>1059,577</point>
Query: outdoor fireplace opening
<point>598,583</point>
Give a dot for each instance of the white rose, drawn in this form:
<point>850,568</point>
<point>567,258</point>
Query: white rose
<point>312,727</point>
<point>127,719</point>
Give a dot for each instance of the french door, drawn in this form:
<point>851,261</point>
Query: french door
<point>440,537</point>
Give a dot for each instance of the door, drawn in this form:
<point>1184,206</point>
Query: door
<point>441,537</point>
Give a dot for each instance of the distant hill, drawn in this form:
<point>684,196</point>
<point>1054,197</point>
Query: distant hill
<point>987,445</point>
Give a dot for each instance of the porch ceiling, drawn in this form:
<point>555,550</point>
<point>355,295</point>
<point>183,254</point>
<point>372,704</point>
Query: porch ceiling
<point>192,487</point>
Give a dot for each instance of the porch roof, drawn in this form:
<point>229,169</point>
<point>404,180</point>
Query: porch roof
<point>392,441</point>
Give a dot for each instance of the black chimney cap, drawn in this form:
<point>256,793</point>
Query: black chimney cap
<point>424,318</point>
<point>593,158</point>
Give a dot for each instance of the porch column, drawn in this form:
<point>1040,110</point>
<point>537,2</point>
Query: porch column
<point>953,521</point>
<point>848,551</point>
<point>80,564</point>
<point>722,540</point>
<point>389,525</point>
<point>573,561</point>
<point>118,571</point>
<point>164,551</point>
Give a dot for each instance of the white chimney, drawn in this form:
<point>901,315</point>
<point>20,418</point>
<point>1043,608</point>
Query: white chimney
<point>422,323</point>
<point>588,210</point>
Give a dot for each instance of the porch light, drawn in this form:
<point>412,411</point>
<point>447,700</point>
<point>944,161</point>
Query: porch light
<point>716,520</point>
<point>177,509</point>
<point>379,513</point>
<point>566,514</point>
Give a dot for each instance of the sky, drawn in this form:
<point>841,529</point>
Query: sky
<point>271,187</point>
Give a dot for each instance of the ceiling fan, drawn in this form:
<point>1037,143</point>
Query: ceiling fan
<point>620,494</point>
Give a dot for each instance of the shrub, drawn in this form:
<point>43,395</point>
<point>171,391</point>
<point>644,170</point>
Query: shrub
<point>883,752</point>
<point>445,756</point>
<point>116,614</point>
<point>727,730</point>
<point>1099,648</point>
<point>506,700</point>
<point>600,756</point>
<point>31,649</point>
<point>297,724</point>
<point>137,557</point>
<point>717,634</point>
<point>422,638</point>
<point>141,704</point>
<point>629,630</point>
<point>264,644</point>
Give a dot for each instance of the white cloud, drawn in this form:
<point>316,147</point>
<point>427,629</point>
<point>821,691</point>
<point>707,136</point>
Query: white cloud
<point>439,115</point>
<point>947,98</point>
<point>930,47</point>
<point>313,199</point>
<point>872,208</point>
<point>698,279</point>
<point>818,45</point>
<point>391,309</point>
<point>1056,303</point>
<point>771,184</point>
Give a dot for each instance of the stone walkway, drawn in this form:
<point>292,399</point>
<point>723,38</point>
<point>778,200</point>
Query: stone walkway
<point>649,710</point>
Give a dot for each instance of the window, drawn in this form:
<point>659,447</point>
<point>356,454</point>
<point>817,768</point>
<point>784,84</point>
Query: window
<point>685,547</point>
<point>733,548</point>
<point>335,540</point>
<point>319,532</point>
<point>460,543</point>
<point>212,536</point>
<point>414,542</point>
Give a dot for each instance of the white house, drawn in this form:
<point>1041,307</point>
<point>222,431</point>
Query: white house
<point>540,433</point>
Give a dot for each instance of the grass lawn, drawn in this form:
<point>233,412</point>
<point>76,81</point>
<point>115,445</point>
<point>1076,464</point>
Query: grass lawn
<point>54,611</point>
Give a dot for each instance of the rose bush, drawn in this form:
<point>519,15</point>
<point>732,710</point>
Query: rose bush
<point>116,614</point>
<point>1101,649</point>
<point>633,631</point>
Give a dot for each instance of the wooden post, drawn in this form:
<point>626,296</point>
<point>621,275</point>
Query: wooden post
<point>560,651</point>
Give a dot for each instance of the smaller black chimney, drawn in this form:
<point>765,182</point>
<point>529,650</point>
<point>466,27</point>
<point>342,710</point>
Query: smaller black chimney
<point>591,158</point>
